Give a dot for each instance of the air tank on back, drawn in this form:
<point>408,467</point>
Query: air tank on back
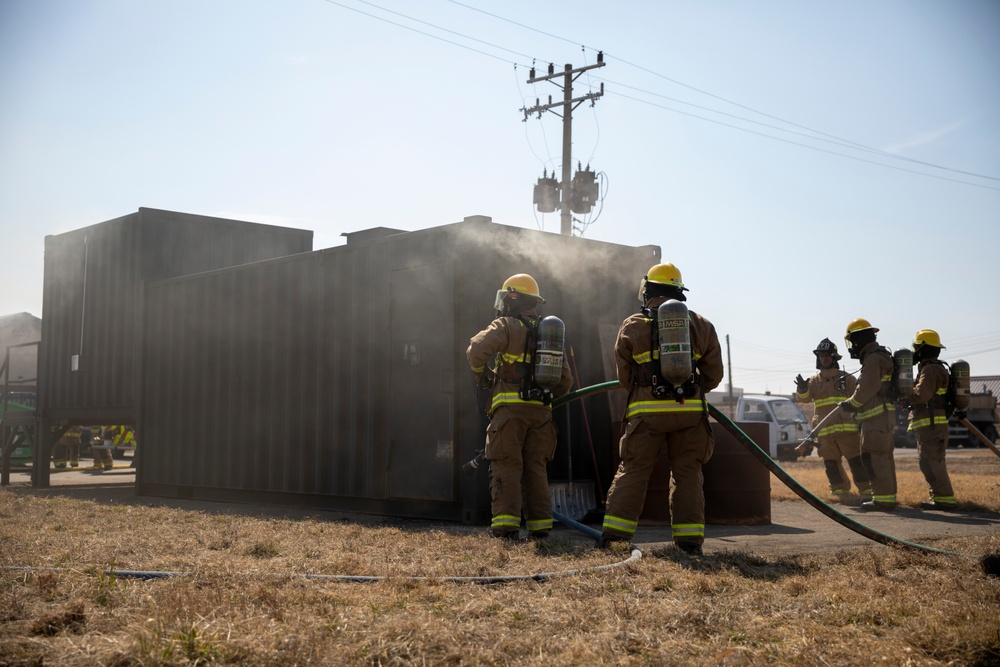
<point>962,382</point>
<point>902,375</point>
<point>549,352</point>
<point>674,330</point>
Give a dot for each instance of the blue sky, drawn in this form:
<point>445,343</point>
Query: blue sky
<point>802,163</point>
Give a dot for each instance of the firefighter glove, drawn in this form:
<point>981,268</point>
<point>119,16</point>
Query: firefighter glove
<point>801,384</point>
<point>847,407</point>
<point>960,414</point>
<point>482,379</point>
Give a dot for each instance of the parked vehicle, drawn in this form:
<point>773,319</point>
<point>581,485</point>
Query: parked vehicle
<point>787,425</point>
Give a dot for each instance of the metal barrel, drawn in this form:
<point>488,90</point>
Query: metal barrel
<point>737,487</point>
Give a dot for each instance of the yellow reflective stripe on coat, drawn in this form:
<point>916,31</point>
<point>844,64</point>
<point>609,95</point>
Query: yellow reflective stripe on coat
<point>875,412</point>
<point>506,521</point>
<point>840,428</point>
<point>663,408</point>
<point>831,400</point>
<point>642,358</point>
<point>618,523</point>
<point>939,420</point>
<point>511,359</point>
<point>512,398</point>
<point>688,530</point>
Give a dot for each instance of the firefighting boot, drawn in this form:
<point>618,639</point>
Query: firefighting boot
<point>690,548</point>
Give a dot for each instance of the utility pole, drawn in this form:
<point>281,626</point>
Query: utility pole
<point>729,362</point>
<point>568,104</point>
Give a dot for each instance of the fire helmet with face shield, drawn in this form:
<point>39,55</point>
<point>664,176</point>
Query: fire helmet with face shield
<point>662,278</point>
<point>513,287</point>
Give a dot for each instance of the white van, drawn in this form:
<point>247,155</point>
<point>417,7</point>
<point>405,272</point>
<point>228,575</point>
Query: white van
<point>787,426</point>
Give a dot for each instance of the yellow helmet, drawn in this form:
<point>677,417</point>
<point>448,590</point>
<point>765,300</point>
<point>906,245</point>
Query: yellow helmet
<point>662,274</point>
<point>859,324</point>
<point>521,283</point>
<point>927,337</point>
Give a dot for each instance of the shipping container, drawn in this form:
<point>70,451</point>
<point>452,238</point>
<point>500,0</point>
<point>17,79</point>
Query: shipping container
<point>92,286</point>
<point>338,378</point>
<point>91,291</point>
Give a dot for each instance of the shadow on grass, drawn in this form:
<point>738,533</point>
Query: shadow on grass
<point>741,562</point>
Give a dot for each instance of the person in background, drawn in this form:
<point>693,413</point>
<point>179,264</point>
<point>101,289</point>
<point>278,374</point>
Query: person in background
<point>103,459</point>
<point>929,419</point>
<point>872,406</point>
<point>67,448</point>
<point>839,437</point>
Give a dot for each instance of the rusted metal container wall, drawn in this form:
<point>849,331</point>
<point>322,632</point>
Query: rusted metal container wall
<point>91,292</point>
<point>338,378</point>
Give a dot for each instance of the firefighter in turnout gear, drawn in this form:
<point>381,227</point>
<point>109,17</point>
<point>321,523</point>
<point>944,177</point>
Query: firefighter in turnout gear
<point>929,418</point>
<point>840,437</point>
<point>872,405</point>
<point>521,437</point>
<point>662,416</point>
<point>67,448</point>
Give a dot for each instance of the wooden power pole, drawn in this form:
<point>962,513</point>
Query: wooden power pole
<point>568,103</point>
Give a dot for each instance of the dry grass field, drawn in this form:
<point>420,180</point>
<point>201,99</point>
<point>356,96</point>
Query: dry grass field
<point>245,601</point>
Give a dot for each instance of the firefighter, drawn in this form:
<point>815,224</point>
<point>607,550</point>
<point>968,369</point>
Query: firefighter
<point>872,405</point>
<point>839,437</point>
<point>103,458</point>
<point>521,436</point>
<point>67,448</point>
<point>929,418</point>
<point>662,417</point>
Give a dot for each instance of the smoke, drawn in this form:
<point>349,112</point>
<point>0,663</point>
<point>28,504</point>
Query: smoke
<point>562,265</point>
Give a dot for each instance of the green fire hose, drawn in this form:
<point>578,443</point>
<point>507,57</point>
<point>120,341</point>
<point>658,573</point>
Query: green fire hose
<point>989,562</point>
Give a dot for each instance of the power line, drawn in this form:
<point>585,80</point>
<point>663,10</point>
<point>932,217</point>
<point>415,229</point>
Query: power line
<point>421,32</point>
<point>830,137</point>
<point>826,137</point>
<point>796,143</point>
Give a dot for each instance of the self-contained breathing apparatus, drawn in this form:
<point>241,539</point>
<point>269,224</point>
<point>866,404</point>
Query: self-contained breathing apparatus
<point>541,369</point>
<point>902,373</point>
<point>670,371</point>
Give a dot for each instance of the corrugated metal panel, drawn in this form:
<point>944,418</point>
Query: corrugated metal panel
<point>91,292</point>
<point>985,384</point>
<point>338,378</point>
